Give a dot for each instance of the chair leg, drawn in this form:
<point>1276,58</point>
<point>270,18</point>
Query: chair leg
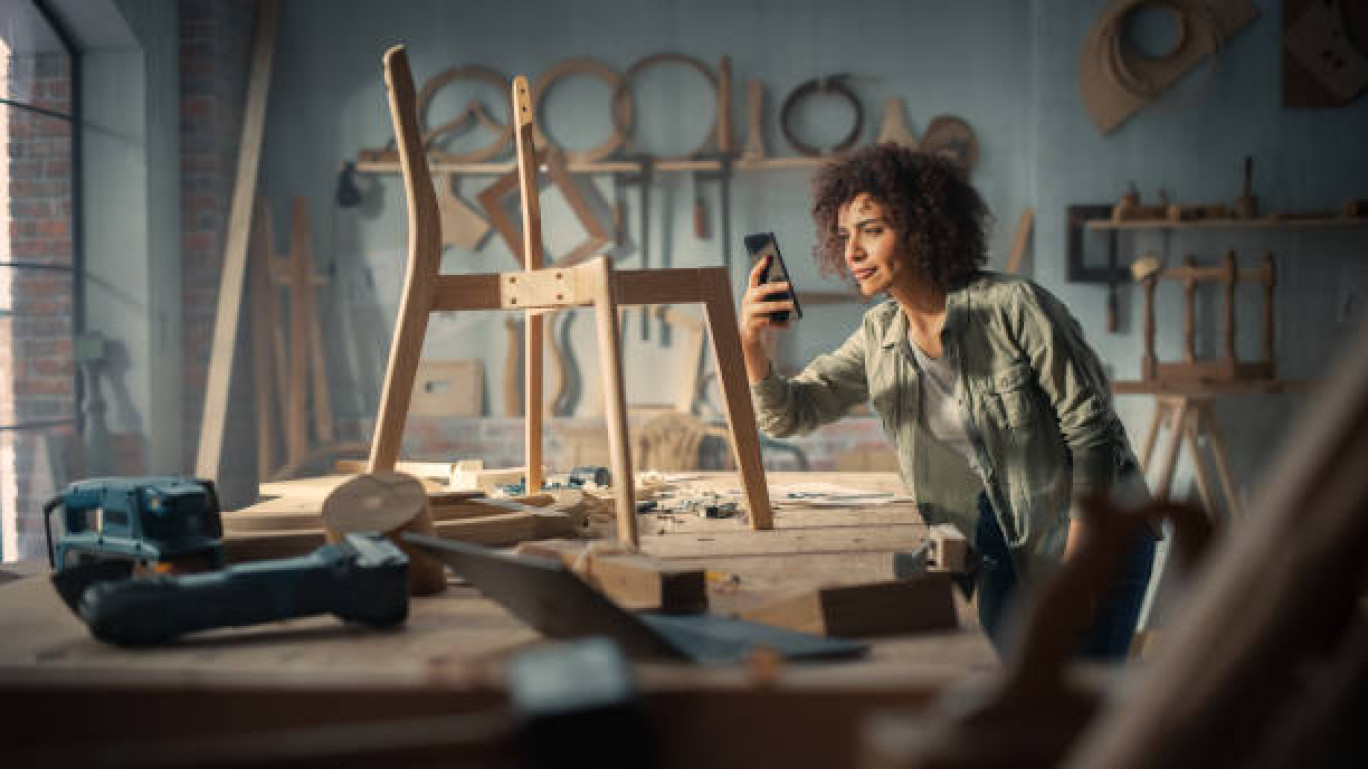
<point>1222,459</point>
<point>1199,466</point>
<point>614,399</point>
<point>532,394</point>
<point>1151,435</point>
<point>1175,445</point>
<point>731,373</point>
<point>405,351</point>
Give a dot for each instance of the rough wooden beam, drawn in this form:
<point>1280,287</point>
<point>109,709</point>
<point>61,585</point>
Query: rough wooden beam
<point>632,580</point>
<point>880,608</point>
<point>214,419</point>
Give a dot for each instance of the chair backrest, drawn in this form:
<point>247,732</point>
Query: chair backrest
<point>424,220</point>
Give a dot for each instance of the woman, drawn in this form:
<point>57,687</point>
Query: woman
<point>999,411</point>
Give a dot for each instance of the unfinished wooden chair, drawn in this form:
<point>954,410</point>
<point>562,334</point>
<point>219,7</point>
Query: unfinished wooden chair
<point>539,290</point>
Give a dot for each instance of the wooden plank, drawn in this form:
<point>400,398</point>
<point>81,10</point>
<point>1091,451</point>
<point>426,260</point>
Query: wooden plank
<point>1199,387</point>
<point>631,580</point>
<point>301,308</point>
<point>213,419</point>
<point>263,326</point>
<point>853,611</point>
<point>500,530</point>
<point>784,541</point>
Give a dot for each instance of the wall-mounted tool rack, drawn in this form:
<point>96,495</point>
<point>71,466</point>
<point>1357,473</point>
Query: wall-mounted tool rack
<point>1098,218</point>
<point>386,162</point>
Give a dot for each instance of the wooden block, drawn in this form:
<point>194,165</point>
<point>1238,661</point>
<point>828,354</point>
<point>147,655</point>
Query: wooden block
<point>448,388</point>
<point>879,608</point>
<point>949,548</point>
<point>632,580</point>
<point>390,503</point>
<point>484,480</point>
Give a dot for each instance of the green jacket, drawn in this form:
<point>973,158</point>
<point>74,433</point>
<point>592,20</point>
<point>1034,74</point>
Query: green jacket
<point>1033,396</point>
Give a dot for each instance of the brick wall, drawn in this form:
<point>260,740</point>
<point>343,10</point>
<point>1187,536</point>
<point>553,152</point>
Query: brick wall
<point>215,48</point>
<point>36,341</point>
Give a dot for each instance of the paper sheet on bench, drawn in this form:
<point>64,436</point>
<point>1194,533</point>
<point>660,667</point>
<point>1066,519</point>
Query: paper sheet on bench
<point>820,494</point>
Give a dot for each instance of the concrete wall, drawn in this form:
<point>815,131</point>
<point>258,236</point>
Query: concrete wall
<point>1009,69</point>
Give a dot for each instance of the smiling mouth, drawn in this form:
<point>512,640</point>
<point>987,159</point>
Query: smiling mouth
<point>862,274</point>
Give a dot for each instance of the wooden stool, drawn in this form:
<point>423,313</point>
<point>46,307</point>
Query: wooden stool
<point>537,290</point>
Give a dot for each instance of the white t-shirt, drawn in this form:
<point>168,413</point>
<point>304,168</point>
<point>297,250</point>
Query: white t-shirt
<point>940,408</point>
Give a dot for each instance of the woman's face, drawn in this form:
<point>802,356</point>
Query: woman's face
<point>873,250</point>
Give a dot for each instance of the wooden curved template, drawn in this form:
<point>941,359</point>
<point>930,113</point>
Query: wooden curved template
<point>894,127</point>
<point>462,227</point>
<point>597,234</point>
<point>558,378</point>
<point>568,68</point>
<point>1107,96</point>
<point>474,109</point>
<point>952,137</point>
<point>623,117</point>
<point>833,84</point>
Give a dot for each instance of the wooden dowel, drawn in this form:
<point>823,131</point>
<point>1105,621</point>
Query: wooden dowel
<point>1270,272</point>
<point>1151,362</point>
<point>1228,278</point>
<point>1190,313</point>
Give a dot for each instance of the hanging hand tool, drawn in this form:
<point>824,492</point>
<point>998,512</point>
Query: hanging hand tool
<point>1246,206</point>
<point>362,579</point>
<point>722,176</point>
<point>1112,270</point>
<point>644,178</point>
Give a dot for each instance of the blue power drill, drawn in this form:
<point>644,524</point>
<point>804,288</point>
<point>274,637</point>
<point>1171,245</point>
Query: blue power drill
<point>362,579</point>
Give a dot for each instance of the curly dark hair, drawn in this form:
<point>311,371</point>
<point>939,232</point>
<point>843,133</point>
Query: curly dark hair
<point>938,213</point>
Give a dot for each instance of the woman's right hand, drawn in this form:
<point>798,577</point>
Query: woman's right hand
<point>759,301</point>
<point>756,306</point>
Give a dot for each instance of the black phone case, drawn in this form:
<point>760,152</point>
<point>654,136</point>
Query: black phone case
<point>762,244</point>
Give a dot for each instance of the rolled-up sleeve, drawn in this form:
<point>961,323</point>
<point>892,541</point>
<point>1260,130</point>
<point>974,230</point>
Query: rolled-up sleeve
<point>1072,379</point>
<point>823,392</point>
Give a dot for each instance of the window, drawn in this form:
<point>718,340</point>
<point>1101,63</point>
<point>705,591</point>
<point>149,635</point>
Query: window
<point>37,269</point>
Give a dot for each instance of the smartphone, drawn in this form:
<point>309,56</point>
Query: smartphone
<point>761,245</point>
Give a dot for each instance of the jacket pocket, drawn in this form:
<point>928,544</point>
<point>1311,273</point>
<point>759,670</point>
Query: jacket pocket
<point>1014,387</point>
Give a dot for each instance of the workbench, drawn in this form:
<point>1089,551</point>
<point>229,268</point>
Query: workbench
<point>448,657</point>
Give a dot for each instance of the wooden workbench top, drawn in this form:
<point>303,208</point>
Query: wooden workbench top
<point>456,635</point>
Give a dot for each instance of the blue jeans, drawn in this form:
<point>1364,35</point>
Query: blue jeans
<point>1109,636</point>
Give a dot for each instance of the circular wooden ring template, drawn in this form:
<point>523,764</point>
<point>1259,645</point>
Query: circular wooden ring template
<point>623,116</point>
<point>470,72</point>
<point>582,66</point>
<point>834,84</point>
